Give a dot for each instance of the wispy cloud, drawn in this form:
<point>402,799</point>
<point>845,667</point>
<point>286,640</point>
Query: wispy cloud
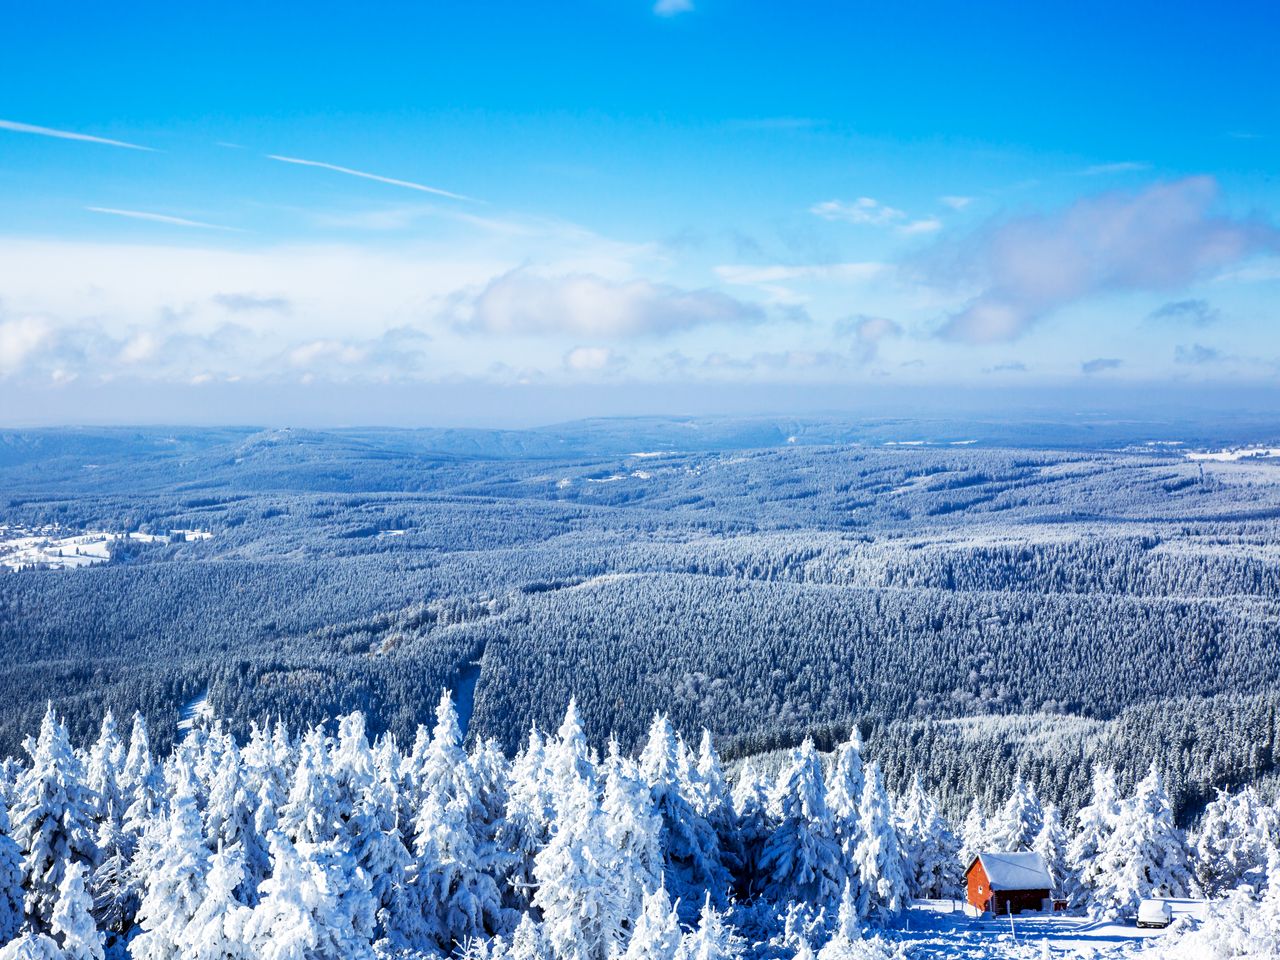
<point>1124,166</point>
<point>1100,364</point>
<point>15,127</point>
<point>863,210</point>
<point>407,184</point>
<point>956,203</point>
<point>1196,355</point>
<point>1162,238</point>
<point>669,8</point>
<point>1197,313</point>
<point>160,218</point>
<point>925,225</point>
<point>868,333</point>
<point>247,302</point>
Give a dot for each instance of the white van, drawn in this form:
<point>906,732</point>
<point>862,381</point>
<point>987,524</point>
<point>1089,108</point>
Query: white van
<point>1155,913</point>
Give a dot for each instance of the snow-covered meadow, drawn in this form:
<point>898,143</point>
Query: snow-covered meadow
<point>46,548</point>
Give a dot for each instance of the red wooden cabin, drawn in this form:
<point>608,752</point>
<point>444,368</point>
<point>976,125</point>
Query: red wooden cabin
<point>1008,882</point>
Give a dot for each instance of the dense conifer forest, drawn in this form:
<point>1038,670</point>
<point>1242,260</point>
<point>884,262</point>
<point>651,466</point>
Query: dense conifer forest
<point>1030,605</point>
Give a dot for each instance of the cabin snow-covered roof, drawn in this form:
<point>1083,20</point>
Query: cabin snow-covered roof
<point>1014,871</point>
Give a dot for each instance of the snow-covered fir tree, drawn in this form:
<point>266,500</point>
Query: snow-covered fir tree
<point>1095,822</point>
<point>314,906</point>
<point>1231,844</point>
<point>802,860</point>
<point>655,934</point>
<point>1016,825</point>
<point>72,922</point>
<point>882,888</point>
<point>973,834</point>
<point>216,931</point>
<point>930,850</point>
<point>1051,844</point>
<point>11,876</point>
<point>713,938</point>
<point>1145,854</point>
<point>51,818</point>
<point>175,870</point>
<point>690,848</point>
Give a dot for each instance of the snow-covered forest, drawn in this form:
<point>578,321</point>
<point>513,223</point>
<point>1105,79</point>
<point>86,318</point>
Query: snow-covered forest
<point>984,613</point>
<point>321,843</point>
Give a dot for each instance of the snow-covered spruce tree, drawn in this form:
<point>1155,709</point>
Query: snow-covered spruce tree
<point>1145,854</point>
<point>690,849</point>
<point>454,880</point>
<point>115,885</point>
<point>715,804</point>
<point>526,943</point>
<point>526,824</point>
<point>750,808</point>
<point>175,875</point>
<point>458,900</point>
<point>142,782</point>
<point>930,850</point>
<point>973,834</point>
<point>372,835</point>
<point>582,915</point>
<point>229,821</point>
<point>52,819</point>
<point>801,860</point>
<point>312,814</point>
<point>848,942</point>
<point>11,906</point>
<point>1019,821</point>
<point>72,922</point>
<point>1241,926</point>
<point>713,938</point>
<point>104,770</point>
<point>655,934</point>
<point>1051,844</point>
<point>568,756</point>
<point>1095,823</point>
<point>844,793</point>
<point>882,888</point>
<point>632,830</point>
<point>1231,843</point>
<point>217,929</point>
<point>314,906</point>
<point>31,946</point>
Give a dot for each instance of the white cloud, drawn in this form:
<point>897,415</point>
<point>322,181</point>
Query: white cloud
<point>524,302</point>
<point>19,339</point>
<point>158,218</point>
<point>669,8</point>
<point>1162,238</point>
<point>956,203</point>
<point>772,279</point>
<point>863,210</point>
<point>926,225</point>
<point>407,184</point>
<point>1124,166</point>
<point>582,359</point>
<point>15,127</point>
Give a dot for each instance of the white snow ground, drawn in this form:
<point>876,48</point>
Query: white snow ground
<point>940,928</point>
<point>57,548</point>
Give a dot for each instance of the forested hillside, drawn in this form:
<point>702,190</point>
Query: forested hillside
<point>1021,606</point>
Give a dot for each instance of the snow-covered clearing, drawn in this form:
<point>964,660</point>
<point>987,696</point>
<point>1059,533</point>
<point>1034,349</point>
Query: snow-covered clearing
<point>1235,453</point>
<point>23,548</point>
<point>195,709</point>
<point>940,928</point>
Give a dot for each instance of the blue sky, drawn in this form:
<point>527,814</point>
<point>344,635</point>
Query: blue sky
<point>431,212</point>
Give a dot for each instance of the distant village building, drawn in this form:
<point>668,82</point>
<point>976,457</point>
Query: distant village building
<point>1008,882</point>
